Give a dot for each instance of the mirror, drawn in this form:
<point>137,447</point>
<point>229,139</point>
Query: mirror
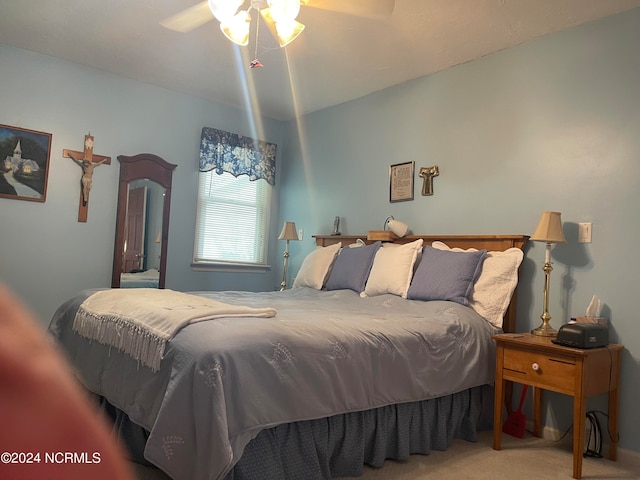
<point>142,223</point>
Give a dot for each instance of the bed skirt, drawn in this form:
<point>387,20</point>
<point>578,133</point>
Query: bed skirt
<point>341,445</point>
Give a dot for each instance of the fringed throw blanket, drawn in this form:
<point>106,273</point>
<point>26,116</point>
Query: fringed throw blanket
<point>141,321</point>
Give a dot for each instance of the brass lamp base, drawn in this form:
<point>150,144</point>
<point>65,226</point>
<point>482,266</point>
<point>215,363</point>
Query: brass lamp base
<point>545,330</point>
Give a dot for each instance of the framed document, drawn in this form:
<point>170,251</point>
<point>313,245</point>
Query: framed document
<point>401,182</point>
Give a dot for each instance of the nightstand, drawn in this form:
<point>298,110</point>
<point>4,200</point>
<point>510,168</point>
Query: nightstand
<point>581,373</point>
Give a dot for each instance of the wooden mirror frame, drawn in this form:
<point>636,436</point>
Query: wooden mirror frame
<point>138,167</point>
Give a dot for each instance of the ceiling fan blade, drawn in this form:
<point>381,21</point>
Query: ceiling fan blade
<point>361,8</point>
<point>189,19</point>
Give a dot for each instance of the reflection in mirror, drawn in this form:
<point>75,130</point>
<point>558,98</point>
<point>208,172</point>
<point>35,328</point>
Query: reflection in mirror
<point>143,235</point>
<point>142,224</point>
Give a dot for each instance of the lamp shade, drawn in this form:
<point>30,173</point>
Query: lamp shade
<point>236,28</point>
<point>288,31</point>
<point>223,10</point>
<point>284,9</point>
<point>549,228</point>
<point>396,226</point>
<point>288,231</point>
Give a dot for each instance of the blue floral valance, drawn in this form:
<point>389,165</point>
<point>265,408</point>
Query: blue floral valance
<point>228,152</point>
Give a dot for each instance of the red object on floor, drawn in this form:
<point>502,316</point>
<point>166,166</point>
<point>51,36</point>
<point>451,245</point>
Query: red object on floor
<point>516,422</point>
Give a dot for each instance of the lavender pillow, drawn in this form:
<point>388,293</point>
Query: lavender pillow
<point>351,268</point>
<point>446,275</point>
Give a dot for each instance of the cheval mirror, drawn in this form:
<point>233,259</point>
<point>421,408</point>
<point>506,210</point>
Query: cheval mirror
<point>142,223</point>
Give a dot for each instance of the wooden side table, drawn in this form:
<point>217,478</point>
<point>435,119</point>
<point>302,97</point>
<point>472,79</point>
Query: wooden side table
<point>536,361</point>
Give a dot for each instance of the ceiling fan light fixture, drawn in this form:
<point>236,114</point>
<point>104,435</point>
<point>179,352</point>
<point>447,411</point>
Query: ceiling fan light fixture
<point>237,28</point>
<point>288,31</point>
<point>284,10</point>
<point>223,10</point>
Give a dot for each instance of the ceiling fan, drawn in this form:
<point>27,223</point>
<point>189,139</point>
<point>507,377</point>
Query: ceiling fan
<point>279,15</point>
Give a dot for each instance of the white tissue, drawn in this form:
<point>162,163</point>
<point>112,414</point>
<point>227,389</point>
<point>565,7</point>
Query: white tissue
<point>593,310</point>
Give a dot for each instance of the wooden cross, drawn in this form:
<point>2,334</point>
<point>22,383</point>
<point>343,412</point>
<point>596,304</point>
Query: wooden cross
<point>88,162</point>
<point>427,173</point>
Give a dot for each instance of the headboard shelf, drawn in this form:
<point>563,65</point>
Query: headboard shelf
<point>488,242</point>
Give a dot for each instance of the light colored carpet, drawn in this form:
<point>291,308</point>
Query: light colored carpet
<point>528,458</point>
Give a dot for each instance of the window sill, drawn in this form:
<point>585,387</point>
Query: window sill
<point>229,267</point>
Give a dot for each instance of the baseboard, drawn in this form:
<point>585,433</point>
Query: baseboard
<point>629,458</point>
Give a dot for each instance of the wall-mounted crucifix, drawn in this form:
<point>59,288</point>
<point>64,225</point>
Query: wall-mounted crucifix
<point>427,173</point>
<point>88,162</point>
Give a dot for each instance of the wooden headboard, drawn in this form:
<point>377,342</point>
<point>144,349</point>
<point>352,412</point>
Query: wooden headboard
<point>488,242</point>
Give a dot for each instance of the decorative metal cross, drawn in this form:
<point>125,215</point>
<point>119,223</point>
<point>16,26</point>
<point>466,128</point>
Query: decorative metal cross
<point>88,162</point>
<point>427,173</point>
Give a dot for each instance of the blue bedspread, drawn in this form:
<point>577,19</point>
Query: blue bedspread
<point>325,353</point>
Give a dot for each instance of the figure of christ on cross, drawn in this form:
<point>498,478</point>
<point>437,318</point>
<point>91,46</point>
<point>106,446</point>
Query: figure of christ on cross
<point>87,175</point>
<point>88,162</point>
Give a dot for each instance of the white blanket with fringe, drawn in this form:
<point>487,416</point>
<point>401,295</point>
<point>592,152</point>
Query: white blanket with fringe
<point>141,321</point>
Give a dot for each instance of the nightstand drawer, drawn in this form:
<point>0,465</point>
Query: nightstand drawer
<point>551,371</point>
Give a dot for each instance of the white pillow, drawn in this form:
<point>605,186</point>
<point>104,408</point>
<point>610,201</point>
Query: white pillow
<point>392,269</point>
<point>315,267</point>
<point>498,279</point>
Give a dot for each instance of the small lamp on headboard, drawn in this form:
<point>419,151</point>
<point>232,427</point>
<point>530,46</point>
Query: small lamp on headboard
<point>392,229</point>
<point>396,226</point>
<point>549,230</point>
<point>288,232</point>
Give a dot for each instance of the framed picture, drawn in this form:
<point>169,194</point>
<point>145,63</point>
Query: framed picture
<point>401,182</point>
<point>24,163</point>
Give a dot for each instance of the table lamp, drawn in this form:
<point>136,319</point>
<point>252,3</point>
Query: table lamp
<point>549,230</point>
<point>288,232</point>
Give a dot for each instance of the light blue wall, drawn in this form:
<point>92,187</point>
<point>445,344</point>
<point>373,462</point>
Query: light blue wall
<point>550,124</point>
<point>553,124</point>
<point>47,255</point>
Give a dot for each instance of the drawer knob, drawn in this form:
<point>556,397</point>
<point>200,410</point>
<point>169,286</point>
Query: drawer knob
<point>535,367</point>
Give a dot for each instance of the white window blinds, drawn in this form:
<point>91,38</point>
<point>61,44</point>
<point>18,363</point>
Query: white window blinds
<point>232,219</point>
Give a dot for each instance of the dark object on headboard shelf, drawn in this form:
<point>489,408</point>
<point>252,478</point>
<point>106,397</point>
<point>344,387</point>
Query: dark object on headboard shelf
<point>336,226</point>
<point>582,335</point>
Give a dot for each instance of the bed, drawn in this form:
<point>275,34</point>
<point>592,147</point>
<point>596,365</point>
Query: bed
<point>360,361</point>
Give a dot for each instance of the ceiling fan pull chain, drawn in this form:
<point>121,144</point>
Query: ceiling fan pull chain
<point>255,63</point>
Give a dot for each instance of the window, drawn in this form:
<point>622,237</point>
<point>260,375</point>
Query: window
<point>236,178</point>
<point>232,220</point>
